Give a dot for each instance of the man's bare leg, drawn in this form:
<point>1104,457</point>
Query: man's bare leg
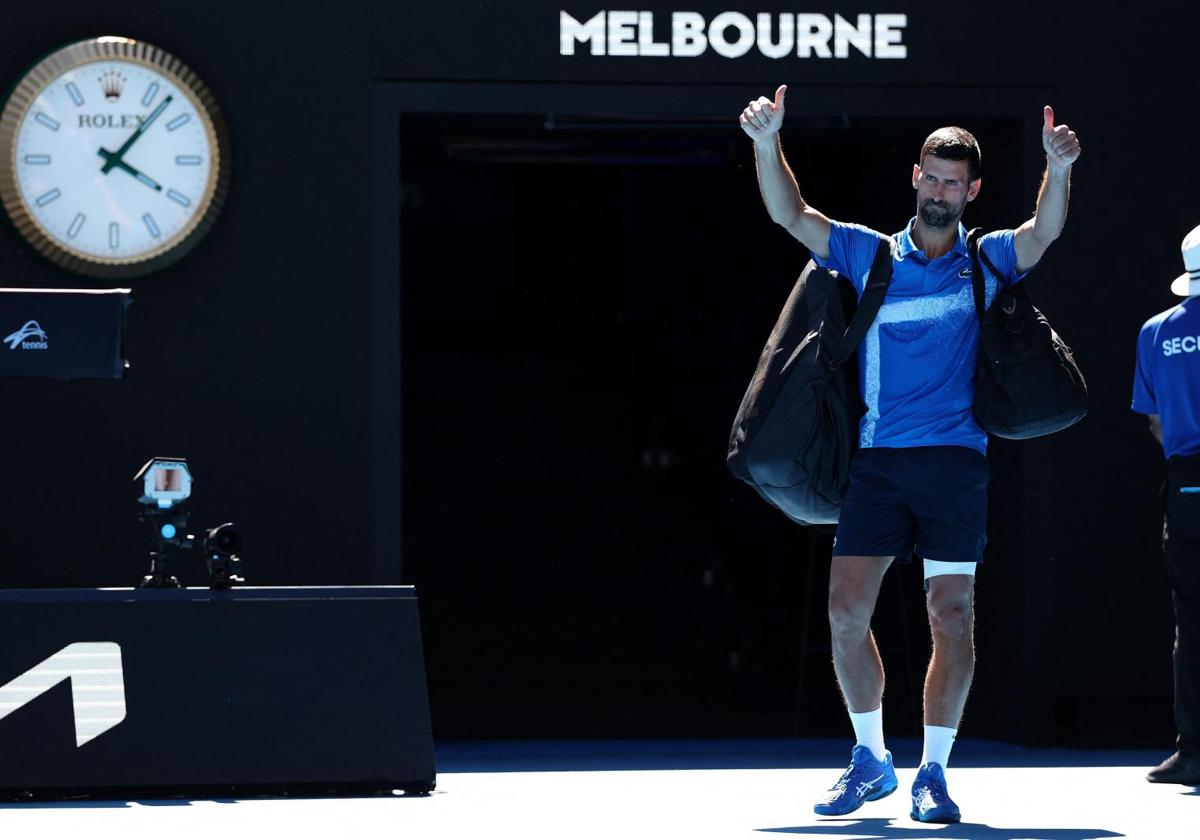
<point>853,589</point>
<point>952,623</point>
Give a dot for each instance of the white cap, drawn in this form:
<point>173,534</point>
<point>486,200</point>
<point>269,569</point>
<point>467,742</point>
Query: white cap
<point>1186,285</point>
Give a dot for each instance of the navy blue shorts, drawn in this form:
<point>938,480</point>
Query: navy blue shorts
<point>928,501</point>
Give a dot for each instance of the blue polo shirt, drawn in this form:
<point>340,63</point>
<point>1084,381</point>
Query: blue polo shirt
<point>1166,380</point>
<point>916,365</point>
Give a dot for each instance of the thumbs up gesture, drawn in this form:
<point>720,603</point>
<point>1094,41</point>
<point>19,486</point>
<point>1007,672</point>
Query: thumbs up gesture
<point>762,118</point>
<point>1060,143</point>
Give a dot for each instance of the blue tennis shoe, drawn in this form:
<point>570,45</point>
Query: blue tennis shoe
<point>865,780</point>
<point>931,802</point>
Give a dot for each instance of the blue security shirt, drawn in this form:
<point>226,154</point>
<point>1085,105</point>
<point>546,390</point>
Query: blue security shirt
<point>916,365</point>
<point>1167,379</point>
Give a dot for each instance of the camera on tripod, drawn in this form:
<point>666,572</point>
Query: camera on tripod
<point>166,491</point>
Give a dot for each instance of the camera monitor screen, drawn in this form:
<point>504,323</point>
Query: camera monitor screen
<point>168,478</point>
<point>165,481</point>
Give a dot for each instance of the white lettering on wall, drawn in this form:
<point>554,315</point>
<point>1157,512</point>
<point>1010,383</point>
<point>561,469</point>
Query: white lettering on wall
<point>720,27</point>
<point>782,46</point>
<point>571,30</point>
<point>687,34</point>
<point>646,43</point>
<point>815,32</point>
<point>846,35</point>
<point>888,35</point>
<point>736,34</point>
<point>623,33</point>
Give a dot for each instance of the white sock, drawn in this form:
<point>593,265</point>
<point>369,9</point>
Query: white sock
<point>938,741</point>
<point>868,730</point>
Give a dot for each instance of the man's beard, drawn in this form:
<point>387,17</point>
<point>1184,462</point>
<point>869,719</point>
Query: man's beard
<point>939,215</point>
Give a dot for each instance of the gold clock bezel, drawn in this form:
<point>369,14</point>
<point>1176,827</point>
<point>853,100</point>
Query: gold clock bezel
<point>91,51</point>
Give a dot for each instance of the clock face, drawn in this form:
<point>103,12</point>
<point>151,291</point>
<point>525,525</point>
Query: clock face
<point>115,158</point>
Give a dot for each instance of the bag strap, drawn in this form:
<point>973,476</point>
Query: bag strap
<point>868,304</point>
<point>977,276</point>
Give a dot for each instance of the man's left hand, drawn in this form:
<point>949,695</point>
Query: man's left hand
<point>1060,143</point>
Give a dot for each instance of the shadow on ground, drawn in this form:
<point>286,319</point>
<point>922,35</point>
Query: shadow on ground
<point>750,754</point>
<point>885,829</point>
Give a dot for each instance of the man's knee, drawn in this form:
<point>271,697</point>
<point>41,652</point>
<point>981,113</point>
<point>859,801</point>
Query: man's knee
<point>853,587</point>
<point>950,613</point>
<point>849,613</point>
<point>851,603</point>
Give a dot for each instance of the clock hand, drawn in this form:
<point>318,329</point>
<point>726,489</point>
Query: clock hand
<point>141,176</point>
<point>149,182</point>
<point>112,159</point>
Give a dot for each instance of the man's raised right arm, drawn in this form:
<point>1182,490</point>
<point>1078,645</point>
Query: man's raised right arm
<point>761,121</point>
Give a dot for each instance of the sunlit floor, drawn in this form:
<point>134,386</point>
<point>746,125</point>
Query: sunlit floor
<point>675,790</point>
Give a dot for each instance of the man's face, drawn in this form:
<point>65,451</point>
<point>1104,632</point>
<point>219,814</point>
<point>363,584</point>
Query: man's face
<point>943,190</point>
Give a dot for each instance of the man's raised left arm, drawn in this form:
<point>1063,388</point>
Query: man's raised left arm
<point>1034,237</point>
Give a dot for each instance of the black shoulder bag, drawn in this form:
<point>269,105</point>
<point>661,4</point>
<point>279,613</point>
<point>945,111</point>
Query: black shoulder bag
<point>797,426</point>
<point>1027,383</point>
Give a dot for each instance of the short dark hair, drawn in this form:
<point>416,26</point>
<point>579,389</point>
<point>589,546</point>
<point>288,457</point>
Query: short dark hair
<point>954,143</point>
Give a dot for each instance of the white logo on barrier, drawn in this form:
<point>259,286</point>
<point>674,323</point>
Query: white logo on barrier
<point>97,686</point>
<point>734,34</point>
<point>21,338</point>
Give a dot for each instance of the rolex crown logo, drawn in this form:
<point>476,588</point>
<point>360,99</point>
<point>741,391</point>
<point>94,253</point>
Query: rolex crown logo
<point>112,83</point>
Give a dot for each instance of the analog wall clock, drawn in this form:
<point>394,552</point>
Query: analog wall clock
<point>114,157</point>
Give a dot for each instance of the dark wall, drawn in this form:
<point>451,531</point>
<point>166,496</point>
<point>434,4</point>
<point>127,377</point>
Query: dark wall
<point>251,356</point>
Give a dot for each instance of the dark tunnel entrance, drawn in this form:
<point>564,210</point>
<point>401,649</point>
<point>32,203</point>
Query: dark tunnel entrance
<point>583,301</point>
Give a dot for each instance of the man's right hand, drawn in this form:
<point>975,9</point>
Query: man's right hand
<point>761,121</point>
<point>762,118</point>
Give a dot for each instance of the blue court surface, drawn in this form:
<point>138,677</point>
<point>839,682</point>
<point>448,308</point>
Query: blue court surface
<point>685,790</point>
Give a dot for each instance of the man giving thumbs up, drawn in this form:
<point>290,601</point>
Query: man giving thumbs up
<point>918,481</point>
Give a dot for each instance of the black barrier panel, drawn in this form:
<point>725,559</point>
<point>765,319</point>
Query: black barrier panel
<point>196,692</point>
<point>63,333</point>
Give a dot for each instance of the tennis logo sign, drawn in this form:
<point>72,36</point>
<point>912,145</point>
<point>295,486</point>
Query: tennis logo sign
<point>97,686</point>
<point>30,337</point>
<point>734,35</point>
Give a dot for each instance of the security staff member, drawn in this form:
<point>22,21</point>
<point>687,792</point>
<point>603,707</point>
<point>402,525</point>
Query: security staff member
<point>1166,386</point>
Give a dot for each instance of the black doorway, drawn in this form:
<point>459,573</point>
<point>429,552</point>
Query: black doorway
<point>582,302</point>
